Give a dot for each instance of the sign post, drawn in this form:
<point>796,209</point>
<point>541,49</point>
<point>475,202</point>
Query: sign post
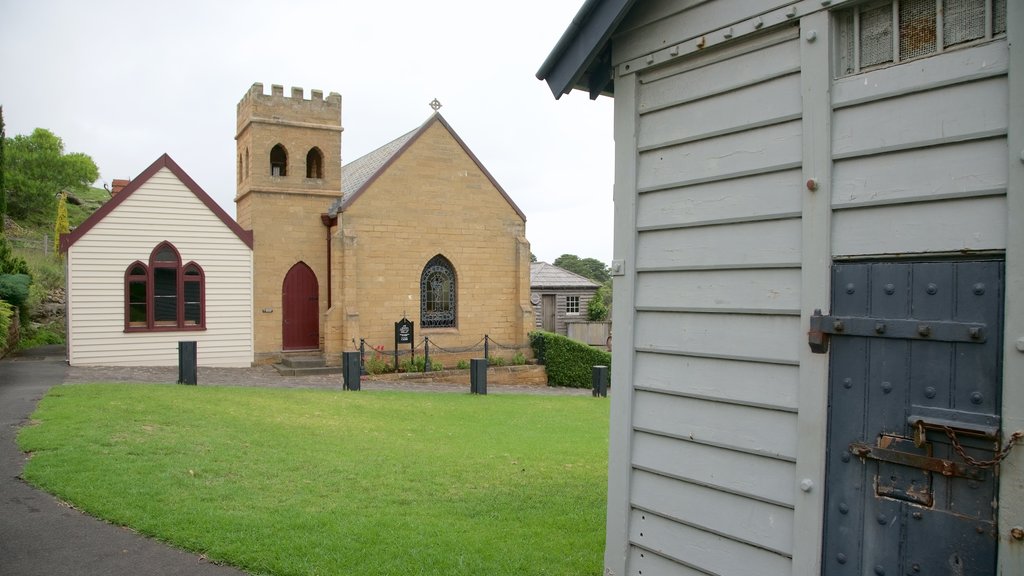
<point>404,335</point>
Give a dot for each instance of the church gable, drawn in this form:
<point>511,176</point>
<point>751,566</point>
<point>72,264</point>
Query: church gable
<point>429,164</point>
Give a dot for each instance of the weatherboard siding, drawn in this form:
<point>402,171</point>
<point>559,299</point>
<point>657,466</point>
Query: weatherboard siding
<point>161,209</point>
<point>727,250</point>
<point>936,181</point>
<point>716,329</point>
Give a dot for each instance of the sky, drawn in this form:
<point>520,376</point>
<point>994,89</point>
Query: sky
<point>126,81</point>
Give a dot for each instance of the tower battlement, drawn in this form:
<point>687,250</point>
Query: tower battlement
<point>317,109</point>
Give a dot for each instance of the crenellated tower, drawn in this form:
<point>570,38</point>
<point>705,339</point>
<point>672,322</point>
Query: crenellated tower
<point>288,169</point>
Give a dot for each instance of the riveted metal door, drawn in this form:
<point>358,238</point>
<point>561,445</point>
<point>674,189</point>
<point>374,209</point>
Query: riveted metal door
<point>301,309</point>
<point>915,371</point>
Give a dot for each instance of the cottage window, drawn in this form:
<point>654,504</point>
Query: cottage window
<point>164,295</point>
<point>438,299</point>
<point>878,34</point>
<point>572,304</point>
<point>314,163</point>
<point>278,161</point>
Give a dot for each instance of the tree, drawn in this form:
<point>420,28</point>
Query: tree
<point>37,170</point>
<point>3,170</point>
<point>586,267</point>
<point>60,223</point>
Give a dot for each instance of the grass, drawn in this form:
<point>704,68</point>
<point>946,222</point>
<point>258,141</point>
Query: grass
<point>318,482</point>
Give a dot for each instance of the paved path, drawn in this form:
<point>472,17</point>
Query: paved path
<point>40,535</point>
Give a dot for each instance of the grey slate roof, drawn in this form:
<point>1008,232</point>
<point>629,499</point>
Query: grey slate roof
<point>544,275</point>
<point>358,172</point>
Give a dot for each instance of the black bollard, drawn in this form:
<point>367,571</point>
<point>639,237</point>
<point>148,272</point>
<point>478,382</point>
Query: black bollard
<point>350,370</point>
<point>187,365</point>
<point>599,381</point>
<point>478,376</point>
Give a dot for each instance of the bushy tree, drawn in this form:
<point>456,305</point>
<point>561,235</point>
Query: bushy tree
<point>37,170</point>
<point>60,223</point>
<point>586,267</point>
<point>3,170</point>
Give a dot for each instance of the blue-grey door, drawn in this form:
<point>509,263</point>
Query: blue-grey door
<point>915,373</point>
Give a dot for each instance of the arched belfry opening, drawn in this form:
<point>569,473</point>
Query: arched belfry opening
<point>278,161</point>
<point>314,163</point>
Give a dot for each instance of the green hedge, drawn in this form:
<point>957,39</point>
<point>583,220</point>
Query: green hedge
<point>567,362</point>
<point>6,317</point>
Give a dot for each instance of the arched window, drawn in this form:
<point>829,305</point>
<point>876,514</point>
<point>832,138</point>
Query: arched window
<point>278,161</point>
<point>314,163</point>
<point>239,166</point>
<point>438,294</point>
<point>164,295</point>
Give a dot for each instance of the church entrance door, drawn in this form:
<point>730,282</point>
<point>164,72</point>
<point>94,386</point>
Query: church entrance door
<point>300,298</point>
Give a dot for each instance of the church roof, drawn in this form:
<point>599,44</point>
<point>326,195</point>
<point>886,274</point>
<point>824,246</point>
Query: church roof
<point>359,174</point>
<point>544,275</point>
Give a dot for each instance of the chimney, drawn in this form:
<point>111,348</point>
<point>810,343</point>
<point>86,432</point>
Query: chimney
<point>117,186</point>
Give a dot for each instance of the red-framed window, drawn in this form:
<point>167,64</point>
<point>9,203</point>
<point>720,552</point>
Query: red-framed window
<point>163,294</point>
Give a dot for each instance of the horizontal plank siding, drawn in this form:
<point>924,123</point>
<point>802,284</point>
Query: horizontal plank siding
<point>963,169</point>
<point>721,380</point>
<point>757,197</point>
<point>766,479</point>
<point>716,330</point>
<point>767,526</point>
<point>759,431</point>
<point>768,243</point>
<point>161,209</point>
<point>955,113</point>
<point>976,224</point>
<point>660,539</point>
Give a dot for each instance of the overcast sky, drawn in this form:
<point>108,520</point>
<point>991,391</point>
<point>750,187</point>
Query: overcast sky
<point>126,81</point>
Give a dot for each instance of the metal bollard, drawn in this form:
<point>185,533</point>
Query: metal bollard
<point>599,381</point>
<point>187,365</point>
<point>478,376</point>
<point>350,370</point>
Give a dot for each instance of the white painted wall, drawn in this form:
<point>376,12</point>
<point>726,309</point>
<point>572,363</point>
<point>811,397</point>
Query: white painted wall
<point>161,209</point>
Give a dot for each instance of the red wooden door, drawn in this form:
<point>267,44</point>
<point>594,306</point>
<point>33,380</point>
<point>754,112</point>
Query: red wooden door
<point>301,302</point>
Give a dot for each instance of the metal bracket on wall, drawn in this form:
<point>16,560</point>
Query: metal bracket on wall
<point>821,327</point>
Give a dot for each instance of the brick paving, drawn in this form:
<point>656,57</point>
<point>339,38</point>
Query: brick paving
<point>268,377</point>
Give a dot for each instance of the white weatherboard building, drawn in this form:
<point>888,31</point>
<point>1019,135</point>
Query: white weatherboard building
<point>159,263</point>
<point>778,157</point>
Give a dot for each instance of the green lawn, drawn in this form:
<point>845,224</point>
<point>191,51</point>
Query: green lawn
<point>319,482</point>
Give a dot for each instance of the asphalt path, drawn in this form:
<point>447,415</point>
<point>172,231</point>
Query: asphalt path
<point>39,535</point>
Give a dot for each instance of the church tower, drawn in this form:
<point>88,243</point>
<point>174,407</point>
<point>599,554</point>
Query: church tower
<point>288,174</point>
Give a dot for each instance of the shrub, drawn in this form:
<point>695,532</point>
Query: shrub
<point>418,364</point>
<point>14,288</point>
<point>6,316</point>
<point>596,310</point>
<point>519,359</point>
<point>538,342</point>
<point>462,365</point>
<point>495,361</point>
<point>378,363</point>
<point>567,362</point>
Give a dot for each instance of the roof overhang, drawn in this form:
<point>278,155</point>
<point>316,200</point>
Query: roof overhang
<point>582,58</point>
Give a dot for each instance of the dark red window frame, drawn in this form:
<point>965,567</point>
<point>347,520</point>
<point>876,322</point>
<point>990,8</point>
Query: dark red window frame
<point>174,295</point>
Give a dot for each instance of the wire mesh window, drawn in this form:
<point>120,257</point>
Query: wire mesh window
<point>877,34</point>
<point>438,295</point>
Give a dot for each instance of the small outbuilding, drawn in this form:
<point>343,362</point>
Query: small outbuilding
<point>559,296</point>
<point>159,263</point>
<point>819,283</point>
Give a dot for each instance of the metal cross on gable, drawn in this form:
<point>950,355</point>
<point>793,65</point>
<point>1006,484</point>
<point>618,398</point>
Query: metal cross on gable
<point>435,104</point>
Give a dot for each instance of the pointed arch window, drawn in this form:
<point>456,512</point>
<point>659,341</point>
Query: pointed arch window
<point>278,161</point>
<point>438,294</point>
<point>163,294</point>
<point>314,163</point>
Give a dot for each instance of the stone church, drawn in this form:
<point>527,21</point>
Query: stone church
<point>417,229</point>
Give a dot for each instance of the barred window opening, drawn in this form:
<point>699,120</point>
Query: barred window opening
<point>877,34</point>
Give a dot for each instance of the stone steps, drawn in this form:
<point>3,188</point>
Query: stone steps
<point>305,366</point>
